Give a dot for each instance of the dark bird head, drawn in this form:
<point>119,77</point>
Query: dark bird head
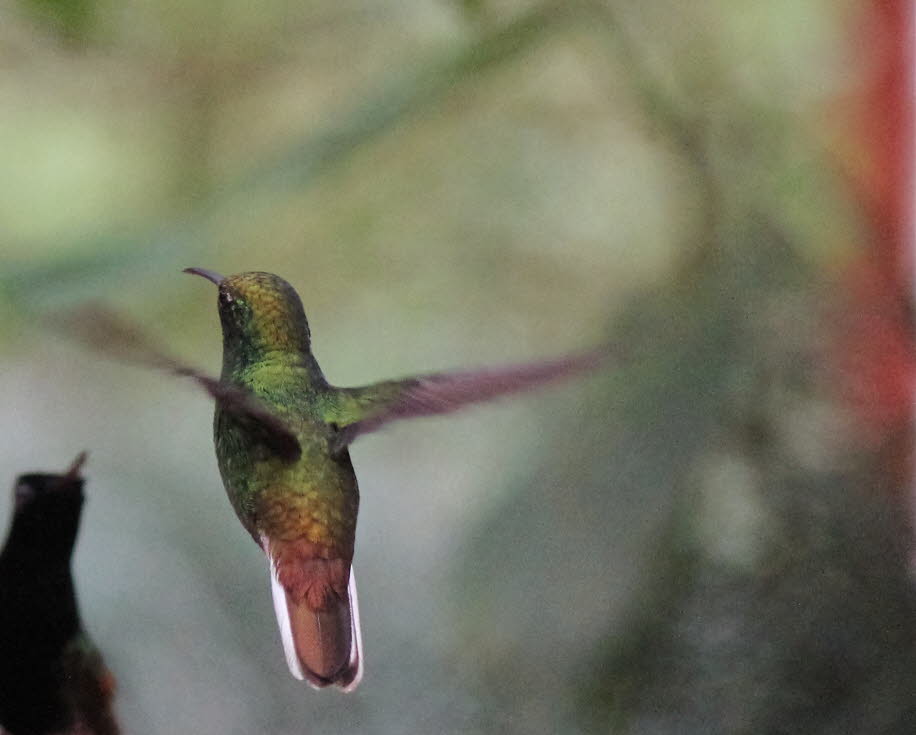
<point>260,313</point>
<point>47,515</point>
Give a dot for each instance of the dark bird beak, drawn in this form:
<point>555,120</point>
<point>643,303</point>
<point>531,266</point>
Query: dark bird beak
<point>71,479</point>
<point>73,471</point>
<point>206,273</point>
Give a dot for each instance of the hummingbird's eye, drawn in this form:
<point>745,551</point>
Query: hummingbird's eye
<point>225,297</point>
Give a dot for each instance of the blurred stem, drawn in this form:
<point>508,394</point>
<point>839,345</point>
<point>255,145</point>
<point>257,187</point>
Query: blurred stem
<point>685,128</point>
<point>403,97</point>
<point>196,120</point>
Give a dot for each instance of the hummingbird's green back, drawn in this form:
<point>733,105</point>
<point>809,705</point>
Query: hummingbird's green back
<point>267,351</point>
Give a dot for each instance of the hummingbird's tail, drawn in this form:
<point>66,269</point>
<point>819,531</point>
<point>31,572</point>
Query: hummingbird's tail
<point>322,646</point>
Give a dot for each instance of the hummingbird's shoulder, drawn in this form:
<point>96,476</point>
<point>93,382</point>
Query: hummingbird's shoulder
<point>287,383</point>
<point>344,406</point>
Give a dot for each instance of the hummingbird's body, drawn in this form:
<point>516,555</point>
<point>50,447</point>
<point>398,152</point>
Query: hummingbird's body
<point>302,512</point>
<point>281,433</point>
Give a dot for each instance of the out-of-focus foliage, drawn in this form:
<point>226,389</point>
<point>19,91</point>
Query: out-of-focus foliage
<point>451,184</point>
<point>71,19</point>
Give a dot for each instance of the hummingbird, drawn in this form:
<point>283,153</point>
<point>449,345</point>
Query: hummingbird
<point>300,502</point>
<point>52,677</point>
<point>282,432</point>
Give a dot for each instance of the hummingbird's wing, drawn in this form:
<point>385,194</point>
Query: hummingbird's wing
<point>103,330</point>
<point>362,410</point>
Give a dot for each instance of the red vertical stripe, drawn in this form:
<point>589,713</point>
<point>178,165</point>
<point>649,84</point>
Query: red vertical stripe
<point>877,352</point>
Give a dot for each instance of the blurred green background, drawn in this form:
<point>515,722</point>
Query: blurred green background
<point>446,184</point>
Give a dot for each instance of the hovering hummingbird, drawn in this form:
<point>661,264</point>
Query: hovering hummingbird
<point>52,678</point>
<point>281,433</point>
<point>300,505</point>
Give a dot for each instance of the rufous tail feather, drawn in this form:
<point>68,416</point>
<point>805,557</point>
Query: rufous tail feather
<point>323,647</point>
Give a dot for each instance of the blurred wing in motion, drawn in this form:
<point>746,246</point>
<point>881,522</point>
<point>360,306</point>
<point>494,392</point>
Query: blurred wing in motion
<point>362,410</point>
<point>106,332</point>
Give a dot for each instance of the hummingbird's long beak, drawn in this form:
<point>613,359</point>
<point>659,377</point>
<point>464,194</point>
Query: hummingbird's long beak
<point>206,273</point>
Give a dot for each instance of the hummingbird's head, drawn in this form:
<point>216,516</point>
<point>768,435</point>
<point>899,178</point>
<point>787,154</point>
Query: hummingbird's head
<point>47,510</point>
<point>260,313</point>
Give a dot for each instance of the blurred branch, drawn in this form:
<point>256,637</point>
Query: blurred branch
<point>733,152</point>
<point>682,125</point>
<point>404,96</point>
